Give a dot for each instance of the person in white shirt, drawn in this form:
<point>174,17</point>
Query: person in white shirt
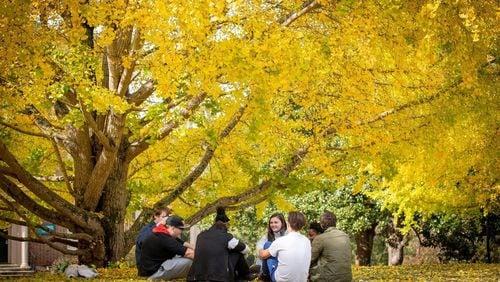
<point>293,252</point>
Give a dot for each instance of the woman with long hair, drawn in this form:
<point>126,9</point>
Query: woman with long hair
<point>276,227</point>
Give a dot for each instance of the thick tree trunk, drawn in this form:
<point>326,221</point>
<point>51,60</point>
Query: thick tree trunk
<point>396,253</point>
<point>97,251</point>
<point>395,243</point>
<point>364,246</point>
<point>114,202</point>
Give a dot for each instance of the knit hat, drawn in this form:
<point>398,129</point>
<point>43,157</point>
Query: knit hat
<point>221,215</point>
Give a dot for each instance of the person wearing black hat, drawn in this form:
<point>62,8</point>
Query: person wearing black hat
<point>219,256</point>
<point>164,254</point>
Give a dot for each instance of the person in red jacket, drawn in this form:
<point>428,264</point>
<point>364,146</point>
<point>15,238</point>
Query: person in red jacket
<point>164,254</point>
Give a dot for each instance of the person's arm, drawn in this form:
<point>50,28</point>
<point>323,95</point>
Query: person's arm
<point>260,244</point>
<point>188,245</point>
<point>237,246</point>
<point>316,249</point>
<point>272,251</point>
<point>264,254</point>
<point>145,232</point>
<point>177,246</point>
<point>189,253</point>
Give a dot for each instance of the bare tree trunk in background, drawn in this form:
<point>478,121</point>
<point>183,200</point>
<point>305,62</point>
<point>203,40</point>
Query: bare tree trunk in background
<point>364,246</point>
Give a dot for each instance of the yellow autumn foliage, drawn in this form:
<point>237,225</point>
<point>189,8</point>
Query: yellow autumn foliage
<point>195,102</point>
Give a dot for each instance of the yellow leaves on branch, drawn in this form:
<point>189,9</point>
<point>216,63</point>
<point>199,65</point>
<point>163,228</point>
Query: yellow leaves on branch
<point>333,70</point>
<point>102,100</point>
<point>431,9</point>
<point>469,17</point>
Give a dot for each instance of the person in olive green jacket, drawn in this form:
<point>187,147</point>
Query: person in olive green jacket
<point>331,252</point>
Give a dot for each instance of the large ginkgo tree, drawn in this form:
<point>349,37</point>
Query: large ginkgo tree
<point>109,107</point>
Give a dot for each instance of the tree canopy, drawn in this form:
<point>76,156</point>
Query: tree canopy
<point>130,104</point>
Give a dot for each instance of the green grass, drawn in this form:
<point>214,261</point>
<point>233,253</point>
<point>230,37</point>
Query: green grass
<point>426,272</point>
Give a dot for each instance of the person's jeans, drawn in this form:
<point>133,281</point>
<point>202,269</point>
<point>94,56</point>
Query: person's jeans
<point>176,267</point>
<point>270,264</point>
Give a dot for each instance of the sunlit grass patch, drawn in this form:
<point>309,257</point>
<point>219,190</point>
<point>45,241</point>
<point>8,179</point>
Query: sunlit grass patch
<point>428,272</point>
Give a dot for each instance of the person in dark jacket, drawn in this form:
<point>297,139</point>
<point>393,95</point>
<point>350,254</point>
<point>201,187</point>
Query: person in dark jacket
<point>164,254</point>
<point>219,256</point>
<point>160,213</point>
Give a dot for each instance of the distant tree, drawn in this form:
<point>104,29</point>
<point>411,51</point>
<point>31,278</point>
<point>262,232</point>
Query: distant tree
<point>465,239</point>
<point>357,215</point>
<point>395,239</point>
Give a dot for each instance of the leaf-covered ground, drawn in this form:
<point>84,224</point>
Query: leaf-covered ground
<point>429,272</point>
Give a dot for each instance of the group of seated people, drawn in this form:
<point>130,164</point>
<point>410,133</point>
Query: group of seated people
<point>284,253</point>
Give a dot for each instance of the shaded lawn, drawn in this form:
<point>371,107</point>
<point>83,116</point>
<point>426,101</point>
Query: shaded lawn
<point>426,272</point>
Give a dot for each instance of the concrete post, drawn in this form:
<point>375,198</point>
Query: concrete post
<point>24,248</point>
<point>193,234</point>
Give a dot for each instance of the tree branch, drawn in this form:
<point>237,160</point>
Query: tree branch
<point>131,234</point>
<point>93,125</point>
<point>143,93</point>
<point>63,168</point>
<point>54,178</point>
<point>249,193</point>
<point>11,220</point>
<point>43,123</point>
<point>170,105</point>
<point>97,181</point>
<point>71,236</point>
<point>41,239</point>
<point>411,104</point>
<point>105,164</point>
<point>144,144</point>
<point>188,180</point>
<point>24,131</point>
<point>133,47</point>
<point>290,18</point>
<point>20,197</point>
<point>139,168</point>
<point>249,203</point>
<point>205,160</point>
<point>7,171</point>
<point>20,239</point>
<point>66,210</point>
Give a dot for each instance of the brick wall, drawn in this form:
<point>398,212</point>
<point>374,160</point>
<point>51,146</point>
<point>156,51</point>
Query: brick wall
<point>42,254</point>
